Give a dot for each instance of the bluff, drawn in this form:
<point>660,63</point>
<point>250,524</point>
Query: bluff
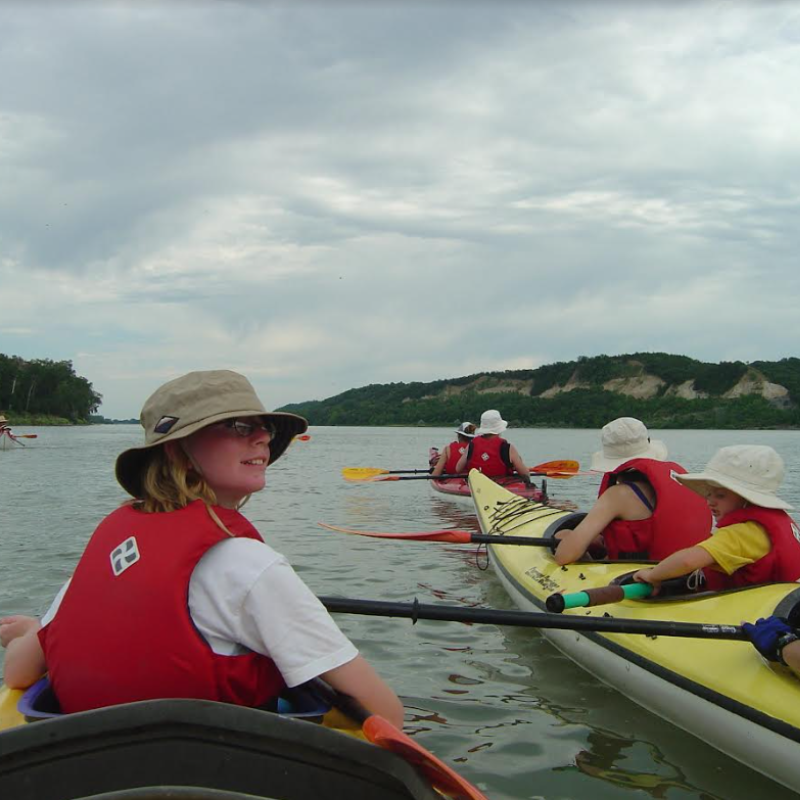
<point>666,391</point>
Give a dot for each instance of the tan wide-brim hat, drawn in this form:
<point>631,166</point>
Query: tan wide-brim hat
<point>185,405</point>
<point>2,419</point>
<point>623,439</point>
<point>752,471</point>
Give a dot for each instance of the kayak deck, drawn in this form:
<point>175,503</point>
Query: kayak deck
<point>158,746</point>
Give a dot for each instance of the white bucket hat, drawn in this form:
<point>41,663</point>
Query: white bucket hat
<point>461,430</point>
<point>491,422</point>
<point>623,439</point>
<point>752,471</point>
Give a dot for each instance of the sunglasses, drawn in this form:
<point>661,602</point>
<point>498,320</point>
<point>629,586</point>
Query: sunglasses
<point>245,428</point>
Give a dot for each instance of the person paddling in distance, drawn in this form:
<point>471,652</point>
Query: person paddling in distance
<point>449,457</point>
<point>122,630</point>
<point>756,541</point>
<point>490,454</point>
<point>641,510</point>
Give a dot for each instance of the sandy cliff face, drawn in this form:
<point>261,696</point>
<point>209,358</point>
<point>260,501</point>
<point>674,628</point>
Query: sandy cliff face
<point>641,387</point>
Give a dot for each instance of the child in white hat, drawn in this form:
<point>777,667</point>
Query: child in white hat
<point>756,541</point>
<point>641,511</point>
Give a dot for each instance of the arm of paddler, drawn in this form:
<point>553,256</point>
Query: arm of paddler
<point>674,566</point>
<point>24,663</point>
<point>359,680</point>
<point>16,625</point>
<point>518,464</point>
<point>573,544</point>
<point>439,468</point>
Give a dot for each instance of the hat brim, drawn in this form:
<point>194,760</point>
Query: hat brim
<point>130,463</point>
<point>701,482</point>
<point>462,433</point>
<point>497,429</point>
<point>655,450</point>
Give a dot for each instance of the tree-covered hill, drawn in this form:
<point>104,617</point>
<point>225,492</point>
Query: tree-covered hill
<point>666,391</point>
<point>42,390</point>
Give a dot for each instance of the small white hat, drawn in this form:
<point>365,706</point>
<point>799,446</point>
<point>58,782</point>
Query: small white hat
<point>752,471</point>
<point>623,439</point>
<point>461,430</point>
<point>491,422</point>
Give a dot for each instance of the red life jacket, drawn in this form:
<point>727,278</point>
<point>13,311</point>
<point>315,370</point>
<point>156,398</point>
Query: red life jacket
<point>486,455</point>
<point>123,631</point>
<point>780,565</point>
<point>680,519</point>
<point>457,449</point>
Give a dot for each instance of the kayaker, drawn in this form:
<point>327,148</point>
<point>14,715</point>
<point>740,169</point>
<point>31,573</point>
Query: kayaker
<point>756,540</point>
<point>490,454</point>
<point>449,457</point>
<point>641,511</point>
<point>176,594</point>
<point>776,640</point>
<point>4,426</point>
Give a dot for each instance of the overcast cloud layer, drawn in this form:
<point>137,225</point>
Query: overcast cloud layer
<point>326,195</point>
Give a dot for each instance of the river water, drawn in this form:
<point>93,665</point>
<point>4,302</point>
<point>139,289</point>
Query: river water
<point>503,706</point>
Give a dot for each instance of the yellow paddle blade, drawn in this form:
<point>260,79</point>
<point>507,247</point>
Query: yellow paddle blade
<point>362,473</point>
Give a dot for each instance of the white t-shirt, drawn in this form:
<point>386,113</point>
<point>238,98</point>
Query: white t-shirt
<point>245,596</point>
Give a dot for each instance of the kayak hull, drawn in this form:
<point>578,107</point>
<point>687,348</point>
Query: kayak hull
<point>723,692</point>
<point>457,490</point>
<point>158,748</point>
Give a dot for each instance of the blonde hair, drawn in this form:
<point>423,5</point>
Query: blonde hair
<point>169,483</point>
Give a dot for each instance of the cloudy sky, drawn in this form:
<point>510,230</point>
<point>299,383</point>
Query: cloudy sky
<point>326,195</point>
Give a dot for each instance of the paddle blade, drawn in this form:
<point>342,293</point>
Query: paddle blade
<point>25,435</point>
<point>557,469</point>
<point>451,536</point>
<point>362,473</point>
<point>383,734</point>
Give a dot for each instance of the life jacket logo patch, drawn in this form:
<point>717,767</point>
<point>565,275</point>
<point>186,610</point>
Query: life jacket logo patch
<point>795,531</point>
<point>485,456</point>
<point>124,556</point>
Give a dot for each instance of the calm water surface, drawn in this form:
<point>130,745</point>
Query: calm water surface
<point>507,709</point>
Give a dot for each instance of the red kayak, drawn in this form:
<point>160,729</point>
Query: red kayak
<point>458,488</point>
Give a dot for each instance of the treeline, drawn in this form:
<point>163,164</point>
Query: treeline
<point>40,389</point>
<point>517,394</point>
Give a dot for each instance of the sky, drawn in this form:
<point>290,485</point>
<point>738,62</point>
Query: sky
<point>325,195</point>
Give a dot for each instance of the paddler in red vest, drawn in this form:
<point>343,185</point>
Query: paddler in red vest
<point>177,594</point>
<point>641,511</point>
<point>756,541</point>
<point>4,428</point>
<point>449,457</point>
<point>490,454</point>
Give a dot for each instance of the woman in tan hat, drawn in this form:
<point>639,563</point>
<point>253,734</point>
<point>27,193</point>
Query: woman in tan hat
<point>756,540</point>
<point>176,594</point>
<point>640,512</point>
<point>490,453</point>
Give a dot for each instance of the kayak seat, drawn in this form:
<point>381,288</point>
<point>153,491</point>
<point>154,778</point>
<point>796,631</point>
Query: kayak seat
<point>305,701</point>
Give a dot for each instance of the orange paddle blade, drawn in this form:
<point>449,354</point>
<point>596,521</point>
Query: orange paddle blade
<point>451,536</point>
<point>382,733</point>
<point>557,469</point>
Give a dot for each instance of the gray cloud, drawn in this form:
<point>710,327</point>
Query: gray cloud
<point>328,195</point>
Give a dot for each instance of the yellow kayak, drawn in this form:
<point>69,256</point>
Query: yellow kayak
<point>721,691</point>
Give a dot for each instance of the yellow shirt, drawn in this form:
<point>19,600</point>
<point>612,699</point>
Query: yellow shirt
<point>736,546</point>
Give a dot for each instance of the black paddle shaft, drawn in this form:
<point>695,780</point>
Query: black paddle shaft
<point>525,619</point>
